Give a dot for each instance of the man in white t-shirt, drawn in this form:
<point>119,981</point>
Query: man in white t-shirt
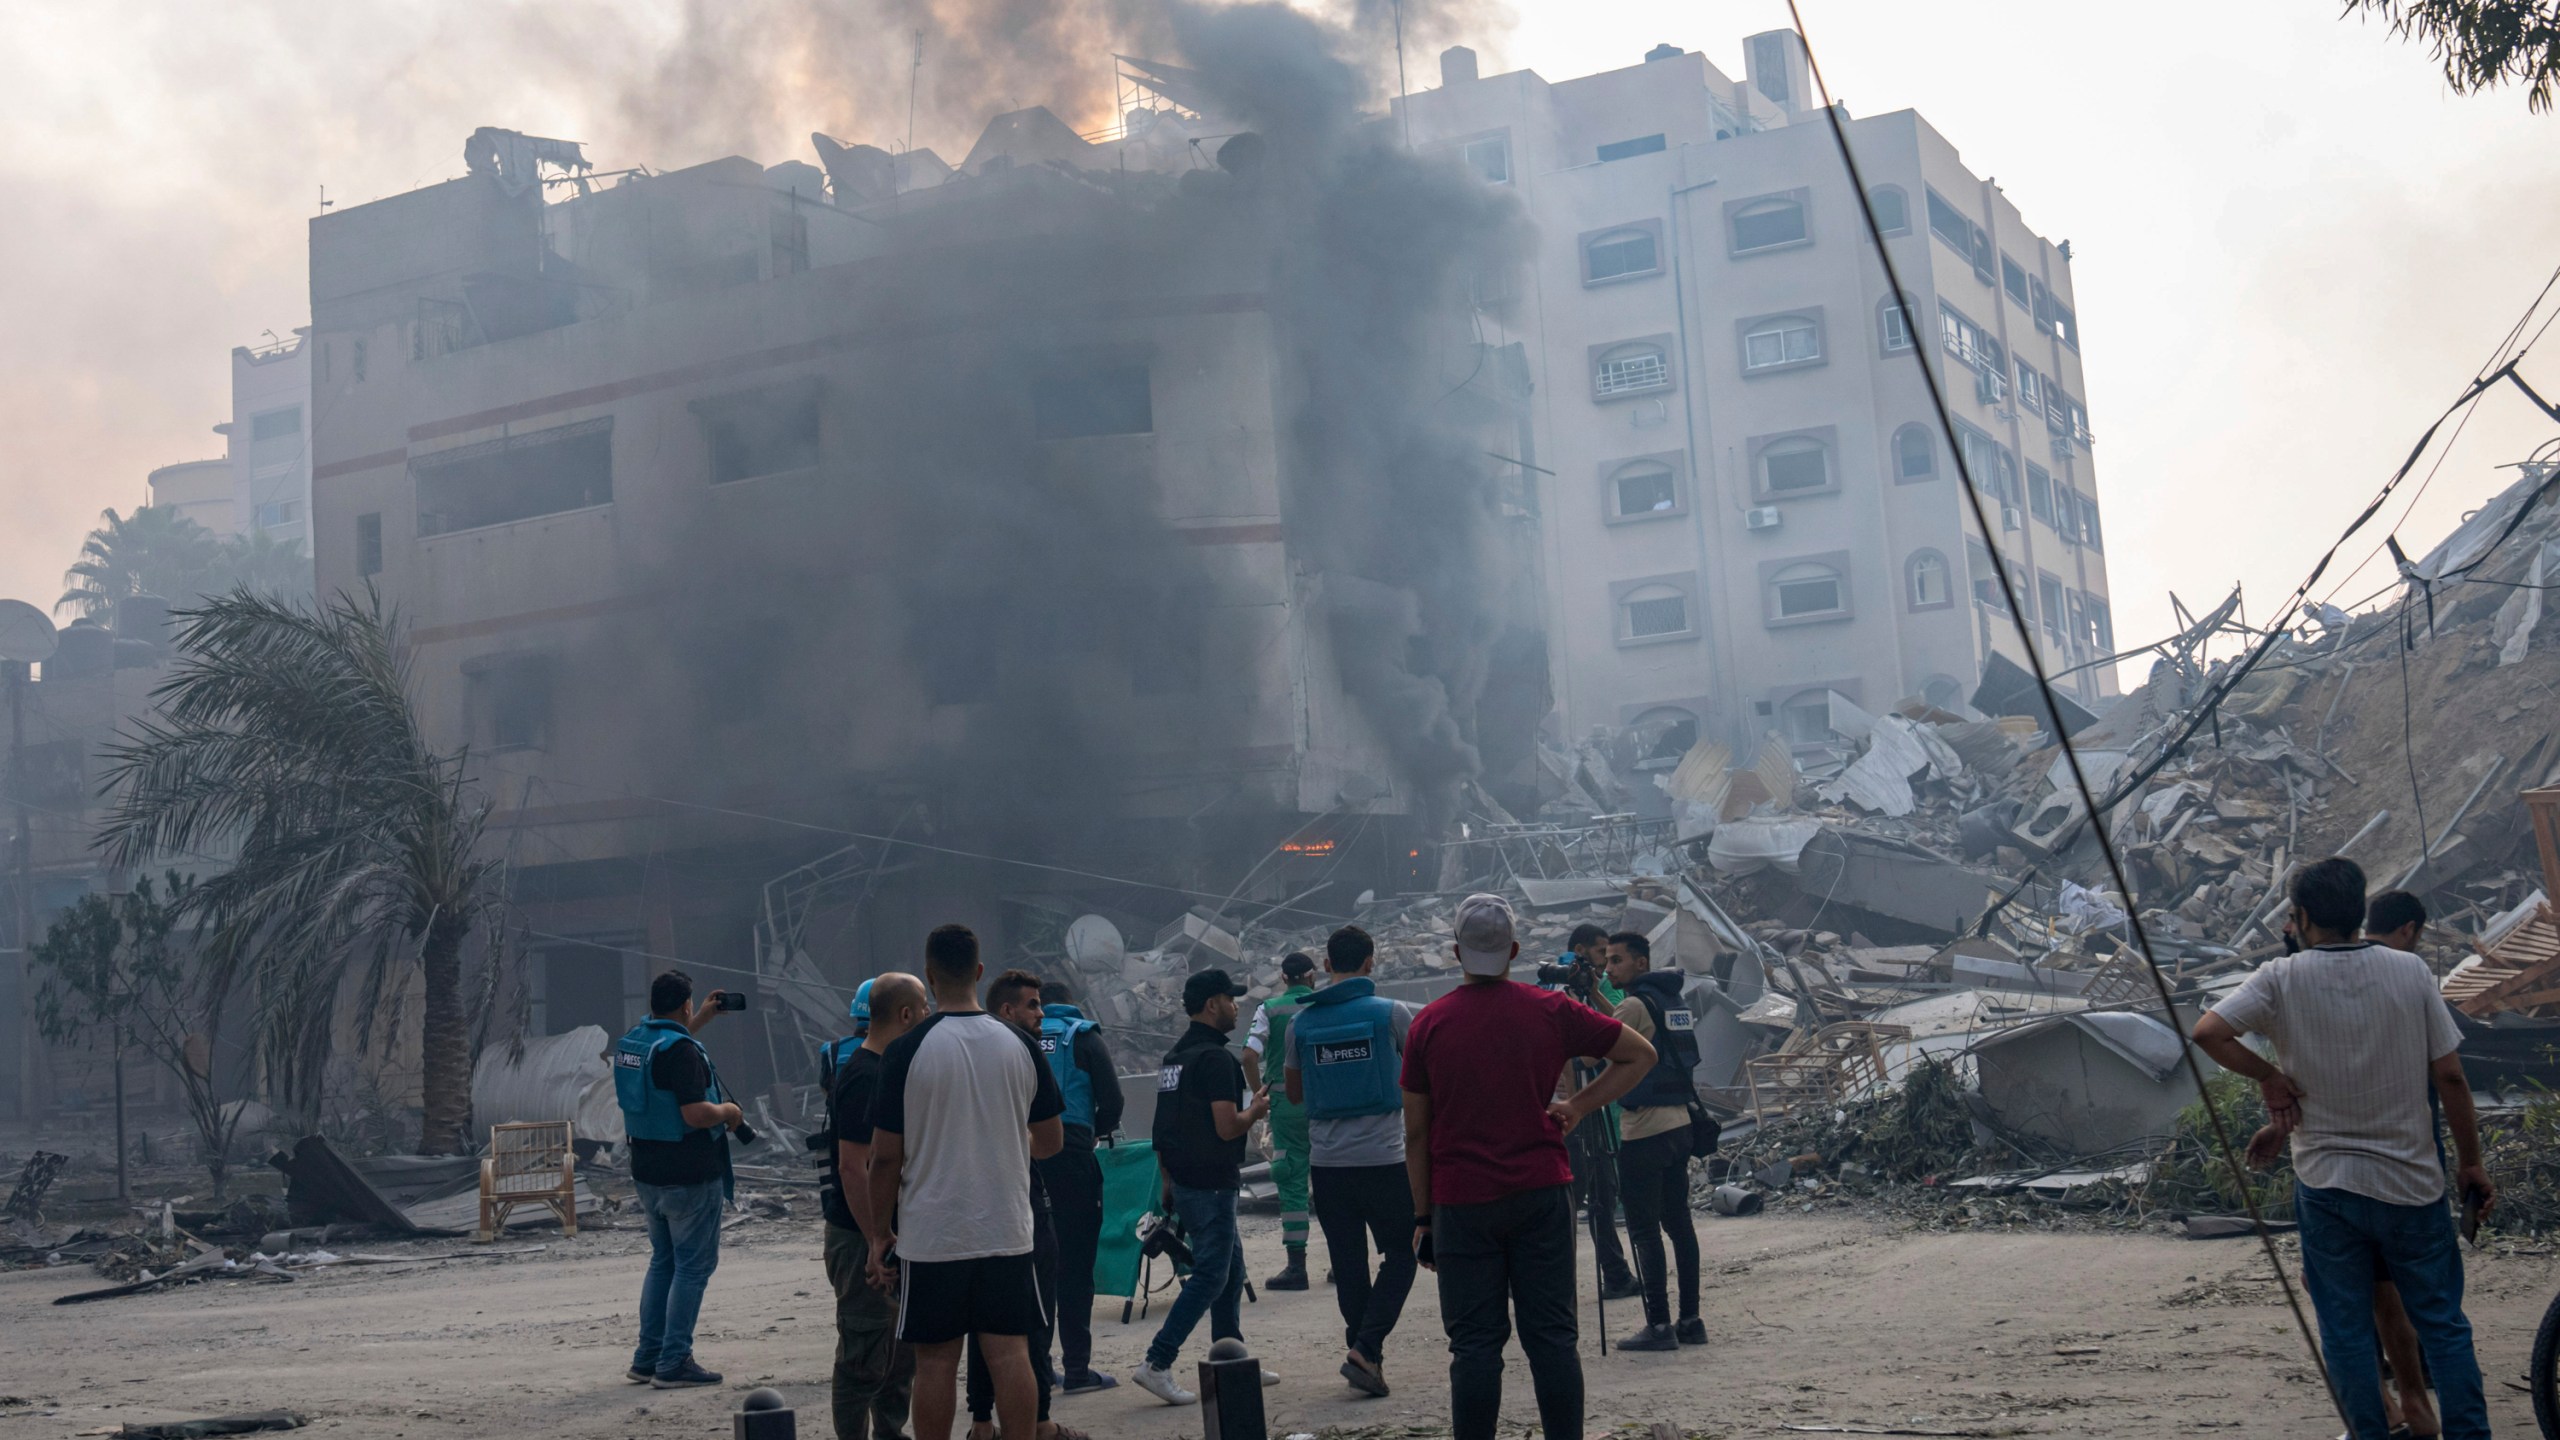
<point>965,1103</point>
<point>2361,1031</point>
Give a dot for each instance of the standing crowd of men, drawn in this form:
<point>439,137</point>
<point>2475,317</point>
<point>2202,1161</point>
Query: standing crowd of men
<point>964,1200</point>
<point>964,1204</point>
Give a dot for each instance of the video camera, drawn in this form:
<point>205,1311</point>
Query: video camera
<point>1574,975</point>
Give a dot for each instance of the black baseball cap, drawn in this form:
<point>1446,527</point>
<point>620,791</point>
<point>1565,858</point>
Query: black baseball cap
<point>1297,963</point>
<point>1197,990</point>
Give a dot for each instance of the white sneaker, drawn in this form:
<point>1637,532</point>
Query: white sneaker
<point>1162,1385</point>
<point>1270,1377</point>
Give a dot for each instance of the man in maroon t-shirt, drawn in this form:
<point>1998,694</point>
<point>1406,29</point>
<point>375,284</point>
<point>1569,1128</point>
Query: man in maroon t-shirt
<point>1492,1187</point>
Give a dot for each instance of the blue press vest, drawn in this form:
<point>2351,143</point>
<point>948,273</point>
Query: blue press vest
<point>1344,1043</point>
<point>649,1113</point>
<point>1671,1081</point>
<point>1059,1027</point>
<point>831,1058</point>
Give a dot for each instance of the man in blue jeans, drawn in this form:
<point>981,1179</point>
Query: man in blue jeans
<point>2362,1032</point>
<point>1201,1122</point>
<point>674,1116</point>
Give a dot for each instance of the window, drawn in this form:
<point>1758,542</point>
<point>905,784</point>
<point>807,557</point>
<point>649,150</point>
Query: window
<point>1651,616</point>
<point>1629,149</point>
<point>1782,341</point>
<point>1928,582</point>
<point>1768,224</point>
<point>1103,400</point>
<point>1768,67</point>
<point>1792,467</point>
<point>1806,719</point>
<point>1915,453</point>
<point>2066,514</point>
<point>568,467</point>
<point>1986,577</point>
<point>1490,158</point>
<point>276,424</point>
<point>2049,607</point>
<point>1647,487</point>
<point>1630,370</point>
<point>1948,224</point>
<point>1616,254</point>
<point>2089,531</point>
<point>510,700</point>
<point>274,514</point>
<point>1895,320</point>
<point>1652,609</point>
<point>2079,420</point>
<point>1892,207</point>
<point>2066,325</point>
<point>2031,388</point>
<point>1988,464</point>
<point>2100,631</point>
<point>760,432</point>
<point>369,543</point>
<point>2013,278</point>
<point>2039,492</point>
<point>1968,342</point>
<point>2040,304</point>
<point>1807,591</point>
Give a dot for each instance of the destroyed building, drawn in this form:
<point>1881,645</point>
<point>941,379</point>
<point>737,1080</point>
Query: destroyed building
<point>1044,530</point>
<point>1749,502</point>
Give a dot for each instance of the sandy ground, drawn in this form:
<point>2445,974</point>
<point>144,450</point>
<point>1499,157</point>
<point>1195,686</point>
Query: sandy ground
<point>1817,1319</point>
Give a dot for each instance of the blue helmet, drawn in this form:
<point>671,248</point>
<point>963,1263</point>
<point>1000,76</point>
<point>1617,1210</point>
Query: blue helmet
<point>862,1001</point>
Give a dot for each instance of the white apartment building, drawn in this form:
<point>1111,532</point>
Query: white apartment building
<point>270,439</point>
<point>1747,501</point>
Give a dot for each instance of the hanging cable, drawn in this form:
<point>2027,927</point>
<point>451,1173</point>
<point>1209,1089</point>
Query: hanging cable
<point>1923,356</point>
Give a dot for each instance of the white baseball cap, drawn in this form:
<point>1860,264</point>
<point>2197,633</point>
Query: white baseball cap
<point>1486,939</point>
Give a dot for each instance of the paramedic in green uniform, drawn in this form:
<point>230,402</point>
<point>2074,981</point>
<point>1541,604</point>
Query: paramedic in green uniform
<point>1264,1049</point>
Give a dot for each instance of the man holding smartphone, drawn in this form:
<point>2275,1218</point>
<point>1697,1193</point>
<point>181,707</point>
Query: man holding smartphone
<point>2362,1033</point>
<point>675,1116</point>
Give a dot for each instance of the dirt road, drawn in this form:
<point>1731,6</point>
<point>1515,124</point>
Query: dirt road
<point>1829,1319</point>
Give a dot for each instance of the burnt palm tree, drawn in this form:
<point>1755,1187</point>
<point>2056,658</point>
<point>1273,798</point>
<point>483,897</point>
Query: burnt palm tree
<point>153,551</point>
<point>287,732</point>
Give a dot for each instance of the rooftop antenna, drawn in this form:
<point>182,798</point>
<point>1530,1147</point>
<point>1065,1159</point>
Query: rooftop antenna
<point>325,201</point>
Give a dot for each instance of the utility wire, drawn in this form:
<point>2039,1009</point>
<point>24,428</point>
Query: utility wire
<point>1925,357</point>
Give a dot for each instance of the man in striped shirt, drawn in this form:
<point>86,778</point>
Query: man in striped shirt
<point>2361,1032</point>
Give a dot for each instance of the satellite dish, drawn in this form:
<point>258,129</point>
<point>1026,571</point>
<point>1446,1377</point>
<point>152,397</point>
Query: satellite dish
<point>1096,944</point>
<point>26,636</point>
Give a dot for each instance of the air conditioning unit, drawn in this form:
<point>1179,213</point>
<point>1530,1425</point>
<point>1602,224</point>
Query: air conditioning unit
<point>2010,519</point>
<point>1761,517</point>
<point>1989,387</point>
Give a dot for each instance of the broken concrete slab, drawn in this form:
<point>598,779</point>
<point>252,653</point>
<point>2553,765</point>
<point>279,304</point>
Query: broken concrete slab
<point>2087,1082</point>
<point>1756,843</point>
<point>1572,890</point>
<point>1894,880</point>
<point>2006,689</point>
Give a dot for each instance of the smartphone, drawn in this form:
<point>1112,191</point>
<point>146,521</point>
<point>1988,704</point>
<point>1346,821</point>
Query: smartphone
<point>733,1000</point>
<point>1422,1253</point>
<point>2473,1200</point>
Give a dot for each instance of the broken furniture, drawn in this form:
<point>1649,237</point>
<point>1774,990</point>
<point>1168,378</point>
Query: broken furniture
<point>1842,1061</point>
<point>530,1163</point>
<point>26,1198</point>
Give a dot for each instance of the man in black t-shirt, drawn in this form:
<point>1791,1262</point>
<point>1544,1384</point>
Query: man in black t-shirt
<point>1201,1121</point>
<point>875,1372</point>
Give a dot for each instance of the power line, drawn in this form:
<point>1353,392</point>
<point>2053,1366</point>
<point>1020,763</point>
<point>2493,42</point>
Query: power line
<point>1923,356</point>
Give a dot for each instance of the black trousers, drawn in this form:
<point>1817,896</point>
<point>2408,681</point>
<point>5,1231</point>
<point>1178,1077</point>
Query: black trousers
<point>1044,1269</point>
<point>1595,1189</point>
<point>1655,1171</point>
<point>1507,1257</point>
<point>1355,1204</point>
<point>1073,1179</point>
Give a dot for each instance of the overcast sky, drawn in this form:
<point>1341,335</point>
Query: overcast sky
<point>2293,245</point>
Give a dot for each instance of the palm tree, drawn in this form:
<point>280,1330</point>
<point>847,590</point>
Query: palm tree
<point>288,731</point>
<point>259,561</point>
<point>153,551</point>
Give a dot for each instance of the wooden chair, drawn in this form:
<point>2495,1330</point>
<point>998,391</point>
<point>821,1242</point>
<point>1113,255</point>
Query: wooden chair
<point>531,1163</point>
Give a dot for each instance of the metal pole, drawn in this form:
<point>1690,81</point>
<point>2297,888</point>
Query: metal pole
<point>124,1186</point>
